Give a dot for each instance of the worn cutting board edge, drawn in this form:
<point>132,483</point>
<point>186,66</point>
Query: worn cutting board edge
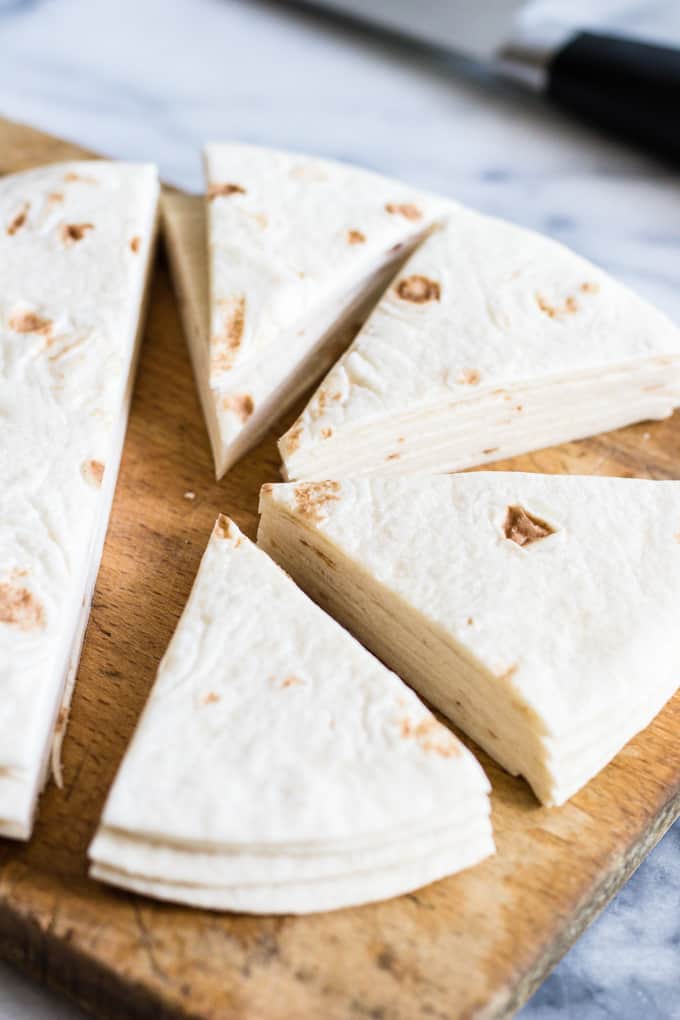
<point>37,952</point>
<point>483,939</point>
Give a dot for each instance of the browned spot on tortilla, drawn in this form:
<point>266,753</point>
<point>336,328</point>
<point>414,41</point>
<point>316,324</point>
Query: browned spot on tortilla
<point>520,407</point>
<point>677,536</point>
<point>224,527</point>
<point>312,497</point>
<point>224,190</point>
<point>569,307</point>
<point>406,209</point>
<point>355,237</point>
<point>93,472</point>
<point>210,698</point>
<point>393,456</point>
<point>318,552</point>
<point>19,220</point>
<point>507,674</point>
<point>60,725</point>
<point>292,438</point>
<point>470,621</point>
<point>19,607</point>
<point>469,377</point>
<point>490,449</point>
<point>291,681</point>
<point>418,289</point>
<point>30,322</point>
<point>83,178</point>
<point>320,401</point>
<point>326,433</point>
<point>396,248</point>
<point>55,196</point>
<point>589,288</point>
<point>431,737</point>
<point>524,528</point>
<point>266,489</point>
<point>72,232</point>
<point>545,307</point>
<point>401,439</point>
<point>240,404</point>
<point>135,243</point>
<point>226,343</point>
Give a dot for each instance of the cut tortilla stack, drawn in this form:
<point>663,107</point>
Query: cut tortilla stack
<point>76,242</point>
<point>276,269</point>
<point>278,766</point>
<point>537,612</point>
<point>492,341</point>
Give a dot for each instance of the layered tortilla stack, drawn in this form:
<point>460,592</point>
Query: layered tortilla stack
<point>490,342</point>
<point>278,766</point>
<point>76,242</point>
<point>276,269</point>
<point>537,612</point>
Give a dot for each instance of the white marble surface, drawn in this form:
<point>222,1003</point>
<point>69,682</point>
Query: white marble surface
<point>152,79</point>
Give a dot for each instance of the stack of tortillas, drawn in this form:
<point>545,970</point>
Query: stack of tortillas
<point>276,269</point>
<point>538,612</point>
<point>491,341</point>
<point>76,242</point>
<point>278,766</point>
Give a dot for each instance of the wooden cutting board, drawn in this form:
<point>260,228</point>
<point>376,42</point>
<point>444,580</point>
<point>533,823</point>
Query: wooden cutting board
<point>473,946</point>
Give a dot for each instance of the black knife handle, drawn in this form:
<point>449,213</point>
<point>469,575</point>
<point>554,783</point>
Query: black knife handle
<point>627,87</point>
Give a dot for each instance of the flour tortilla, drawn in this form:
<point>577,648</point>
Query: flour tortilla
<point>293,253</point>
<point>491,341</point>
<point>236,866</point>
<point>75,249</point>
<point>341,891</point>
<point>275,751</point>
<point>522,646</point>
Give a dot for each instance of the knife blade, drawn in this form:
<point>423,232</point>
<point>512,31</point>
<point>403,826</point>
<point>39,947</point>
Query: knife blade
<point>475,29</point>
<point>625,86</point>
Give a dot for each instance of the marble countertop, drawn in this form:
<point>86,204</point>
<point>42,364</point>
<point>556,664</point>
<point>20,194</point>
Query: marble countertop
<point>153,79</point>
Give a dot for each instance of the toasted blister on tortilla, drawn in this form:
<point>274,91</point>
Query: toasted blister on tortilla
<point>278,766</point>
<point>276,268</point>
<point>537,612</point>
<point>76,241</point>
<point>491,341</point>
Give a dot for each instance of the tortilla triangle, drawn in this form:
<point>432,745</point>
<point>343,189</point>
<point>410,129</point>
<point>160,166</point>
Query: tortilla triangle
<point>538,612</point>
<point>324,781</point>
<point>491,341</point>
<point>76,242</point>
<point>276,270</point>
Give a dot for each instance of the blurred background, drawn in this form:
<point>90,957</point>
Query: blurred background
<point>155,79</point>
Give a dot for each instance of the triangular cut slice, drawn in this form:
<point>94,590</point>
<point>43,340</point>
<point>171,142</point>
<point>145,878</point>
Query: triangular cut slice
<point>537,612</point>
<point>276,271</point>
<point>278,766</point>
<point>76,242</point>
<point>492,341</point>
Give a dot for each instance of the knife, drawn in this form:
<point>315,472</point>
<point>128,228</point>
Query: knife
<point>629,88</point>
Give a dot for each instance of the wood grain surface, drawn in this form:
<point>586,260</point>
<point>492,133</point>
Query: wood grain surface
<point>473,946</point>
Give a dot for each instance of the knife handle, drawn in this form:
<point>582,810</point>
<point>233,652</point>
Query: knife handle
<point>627,87</point>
